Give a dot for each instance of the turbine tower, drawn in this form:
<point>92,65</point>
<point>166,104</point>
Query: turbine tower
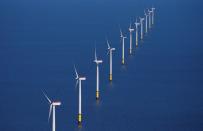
<point>146,22</point>
<point>123,46</point>
<point>153,9</point>
<point>141,23</point>
<point>136,30</point>
<point>131,31</point>
<point>97,63</point>
<point>52,108</point>
<point>78,80</point>
<point>110,55</point>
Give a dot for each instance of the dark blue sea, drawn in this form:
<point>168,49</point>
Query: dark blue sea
<point>159,89</point>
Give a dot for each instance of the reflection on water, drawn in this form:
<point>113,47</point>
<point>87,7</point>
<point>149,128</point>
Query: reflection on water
<point>123,68</point>
<point>98,103</point>
<point>79,128</point>
<point>131,56</point>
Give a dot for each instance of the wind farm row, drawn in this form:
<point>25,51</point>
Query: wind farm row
<point>141,27</point>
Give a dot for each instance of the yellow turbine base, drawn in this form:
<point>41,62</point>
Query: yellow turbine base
<point>123,61</point>
<point>79,118</point>
<point>110,77</point>
<point>97,95</point>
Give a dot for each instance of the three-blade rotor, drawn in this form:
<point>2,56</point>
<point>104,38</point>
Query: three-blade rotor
<point>51,104</point>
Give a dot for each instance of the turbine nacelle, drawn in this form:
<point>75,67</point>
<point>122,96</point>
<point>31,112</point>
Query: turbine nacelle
<point>136,24</point>
<point>82,78</point>
<point>141,19</point>
<point>56,103</point>
<point>98,61</point>
<point>149,11</point>
<point>112,49</point>
<point>131,30</point>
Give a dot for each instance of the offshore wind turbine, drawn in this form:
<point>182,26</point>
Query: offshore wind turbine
<point>97,84</point>
<point>141,23</point>
<point>131,31</point>
<point>110,60</point>
<point>153,9</point>
<point>79,79</point>
<point>146,21</point>
<point>52,108</point>
<point>123,46</point>
<point>150,17</point>
<point>136,30</point>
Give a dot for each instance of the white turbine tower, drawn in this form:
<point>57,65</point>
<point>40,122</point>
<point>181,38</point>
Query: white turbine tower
<point>153,9</point>
<point>97,85</point>
<point>79,79</point>
<point>141,23</point>
<point>136,30</point>
<point>110,60</point>
<point>131,31</point>
<point>123,46</point>
<point>146,21</point>
<point>52,108</point>
<point>150,18</point>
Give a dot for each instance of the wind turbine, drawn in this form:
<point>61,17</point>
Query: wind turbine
<point>141,23</point>
<point>150,17</point>
<point>97,63</point>
<point>78,80</point>
<point>136,30</point>
<point>110,54</point>
<point>123,46</point>
<point>131,30</point>
<point>146,21</point>
<point>153,9</point>
<point>52,108</point>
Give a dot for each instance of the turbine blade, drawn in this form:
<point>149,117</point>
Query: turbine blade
<point>76,73</point>
<point>121,32</point>
<point>47,97</point>
<point>76,84</point>
<point>95,54</point>
<point>108,44</point>
<point>108,52</point>
<point>130,24</point>
<point>50,109</point>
